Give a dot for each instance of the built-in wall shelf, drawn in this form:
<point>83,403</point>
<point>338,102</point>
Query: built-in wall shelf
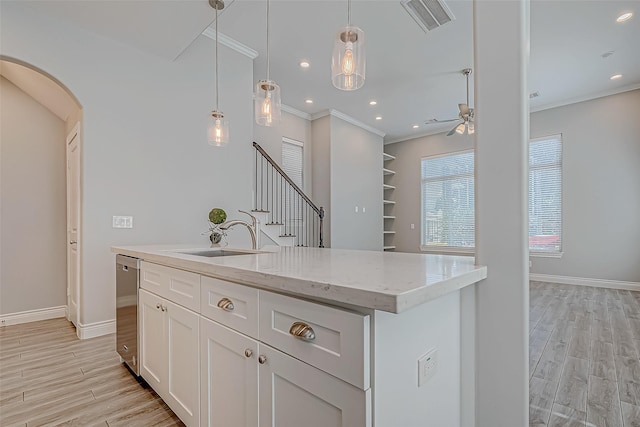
<point>388,235</point>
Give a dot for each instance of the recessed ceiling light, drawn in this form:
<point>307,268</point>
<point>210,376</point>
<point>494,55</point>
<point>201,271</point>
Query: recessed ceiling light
<point>304,64</point>
<point>378,117</point>
<point>308,101</point>
<point>624,17</point>
<point>615,77</point>
<point>416,126</point>
<point>373,102</point>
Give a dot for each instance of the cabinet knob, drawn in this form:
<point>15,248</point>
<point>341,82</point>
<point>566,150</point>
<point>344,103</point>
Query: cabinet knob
<point>164,308</point>
<point>248,352</point>
<point>262,359</point>
<point>302,331</point>
<point>158,306</point>
<point>226,304</point>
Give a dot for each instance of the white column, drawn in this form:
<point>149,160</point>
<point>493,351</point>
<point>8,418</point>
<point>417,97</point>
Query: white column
<point>501,47</point>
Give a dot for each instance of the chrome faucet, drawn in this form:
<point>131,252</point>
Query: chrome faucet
<point>253,228</point>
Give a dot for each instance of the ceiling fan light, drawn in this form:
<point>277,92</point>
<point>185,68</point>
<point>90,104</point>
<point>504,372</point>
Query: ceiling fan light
<point>471,129</point>
<point>460,128</point>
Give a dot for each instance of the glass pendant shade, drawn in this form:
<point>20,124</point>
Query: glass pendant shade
<point>217,129</point>
<point>348,60</point>
<point>267,103</point>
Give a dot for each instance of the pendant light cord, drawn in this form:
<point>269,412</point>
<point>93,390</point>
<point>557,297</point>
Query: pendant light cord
<point>216,58</point>
<point>267,40</point>
<point>348,13</point>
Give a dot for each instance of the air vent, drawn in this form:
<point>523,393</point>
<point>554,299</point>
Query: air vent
<point>534,95</point>
<point>429,14</point>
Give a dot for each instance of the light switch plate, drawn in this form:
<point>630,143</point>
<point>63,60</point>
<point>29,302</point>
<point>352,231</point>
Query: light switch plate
<point>122,221</point>
<point>427,367</point>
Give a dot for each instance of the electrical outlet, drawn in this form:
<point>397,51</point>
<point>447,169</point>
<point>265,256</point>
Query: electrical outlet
<point>122,221</point>
<point>427,367</point>
<point>413,226</point>
<point>364,209</point>
<point>356,209</point>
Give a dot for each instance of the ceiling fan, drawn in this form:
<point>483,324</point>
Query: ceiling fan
<point>465,115</point>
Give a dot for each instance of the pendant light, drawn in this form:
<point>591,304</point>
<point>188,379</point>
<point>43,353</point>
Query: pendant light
<point>267,101</point>
<point>217,124</point>
<point>348,60</point>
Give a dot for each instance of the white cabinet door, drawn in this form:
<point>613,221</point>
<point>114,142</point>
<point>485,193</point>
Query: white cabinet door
<point>153,344</point>
<point>229,367</point>
<point>294,394</point>
<point>183,383</point>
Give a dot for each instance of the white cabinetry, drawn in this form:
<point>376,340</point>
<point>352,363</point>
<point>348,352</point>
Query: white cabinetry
<point>169,335</point>
<point>251,358</point>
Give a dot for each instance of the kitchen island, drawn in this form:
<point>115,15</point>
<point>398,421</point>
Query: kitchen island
<point>303,336</point>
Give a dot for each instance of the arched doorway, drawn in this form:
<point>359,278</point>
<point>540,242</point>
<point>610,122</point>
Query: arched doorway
<point>41,145</point>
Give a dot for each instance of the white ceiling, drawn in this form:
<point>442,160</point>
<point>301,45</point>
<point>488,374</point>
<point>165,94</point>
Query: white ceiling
<point>414,76</point>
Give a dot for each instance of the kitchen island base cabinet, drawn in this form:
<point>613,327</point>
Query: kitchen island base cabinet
<point>237,369</point>
<point>169,355</point>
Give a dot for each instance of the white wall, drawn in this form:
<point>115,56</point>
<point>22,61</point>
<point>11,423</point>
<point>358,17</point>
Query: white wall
<point>408,180</point>
<point>321,173</point>
<point>33,215</point>
<point>601,186</point>
<point>144,135</point>
<point>356,180</point>
<point>293,127</point>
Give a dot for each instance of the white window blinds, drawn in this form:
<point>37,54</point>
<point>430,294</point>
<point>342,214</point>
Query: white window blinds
<point>448,202</point>
<point>545,194</point>
<point>292,160</point>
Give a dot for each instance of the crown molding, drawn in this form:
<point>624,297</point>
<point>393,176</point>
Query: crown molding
<point>348,119</point>
<point>295,112</point>
<point>434,131</point>
<point>231,43</point>
<point>586,98</point>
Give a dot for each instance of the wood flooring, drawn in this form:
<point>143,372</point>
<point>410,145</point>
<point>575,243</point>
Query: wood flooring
<point>584,348</point>
<point>584,368</point>
<point>48,377</point>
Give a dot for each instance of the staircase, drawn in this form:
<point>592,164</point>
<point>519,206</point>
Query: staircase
<point>287,216</point>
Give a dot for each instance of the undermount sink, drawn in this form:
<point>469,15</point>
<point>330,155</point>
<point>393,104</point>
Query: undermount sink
<point>210,253</point>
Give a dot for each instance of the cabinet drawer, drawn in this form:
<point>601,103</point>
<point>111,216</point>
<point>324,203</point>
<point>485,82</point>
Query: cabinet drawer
<point>179,286</point>
<point>340,345</point>
<point>243,317</point>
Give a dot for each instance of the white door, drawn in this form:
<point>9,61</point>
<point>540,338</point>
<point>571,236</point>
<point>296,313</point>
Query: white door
<point>183,381</point>
<point>294,394</point>
<point>153,343</point>
<point>73,223</point>
<point>229,367</point>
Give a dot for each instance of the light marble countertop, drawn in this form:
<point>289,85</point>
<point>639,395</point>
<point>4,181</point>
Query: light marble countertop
<point>387,281</point>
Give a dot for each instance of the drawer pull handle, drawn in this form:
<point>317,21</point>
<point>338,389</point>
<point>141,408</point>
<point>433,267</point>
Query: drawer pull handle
<point>302,331</point>
<point>226,304</point>
<point>248,352</point>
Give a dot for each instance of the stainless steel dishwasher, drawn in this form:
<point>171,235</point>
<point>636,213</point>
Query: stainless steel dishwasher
<point>127,280</point>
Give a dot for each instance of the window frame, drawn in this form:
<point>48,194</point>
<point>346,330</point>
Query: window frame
<point>445,250</point>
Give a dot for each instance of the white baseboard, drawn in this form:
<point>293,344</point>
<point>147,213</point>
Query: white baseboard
<point>582,281</point>
<point>92,330</point>
<point>32,315</point>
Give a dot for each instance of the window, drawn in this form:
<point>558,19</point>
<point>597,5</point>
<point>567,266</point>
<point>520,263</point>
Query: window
<point>448,202</point>
<point>545,195</point>
<point>448,217</point>
<point>292,160</point>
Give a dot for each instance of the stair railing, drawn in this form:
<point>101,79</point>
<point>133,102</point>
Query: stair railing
<point>287,205</point>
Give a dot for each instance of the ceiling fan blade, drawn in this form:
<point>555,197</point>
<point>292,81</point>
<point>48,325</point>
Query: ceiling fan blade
<point>464,109</point>
<point>452,131</point>
<point>434,121</point>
